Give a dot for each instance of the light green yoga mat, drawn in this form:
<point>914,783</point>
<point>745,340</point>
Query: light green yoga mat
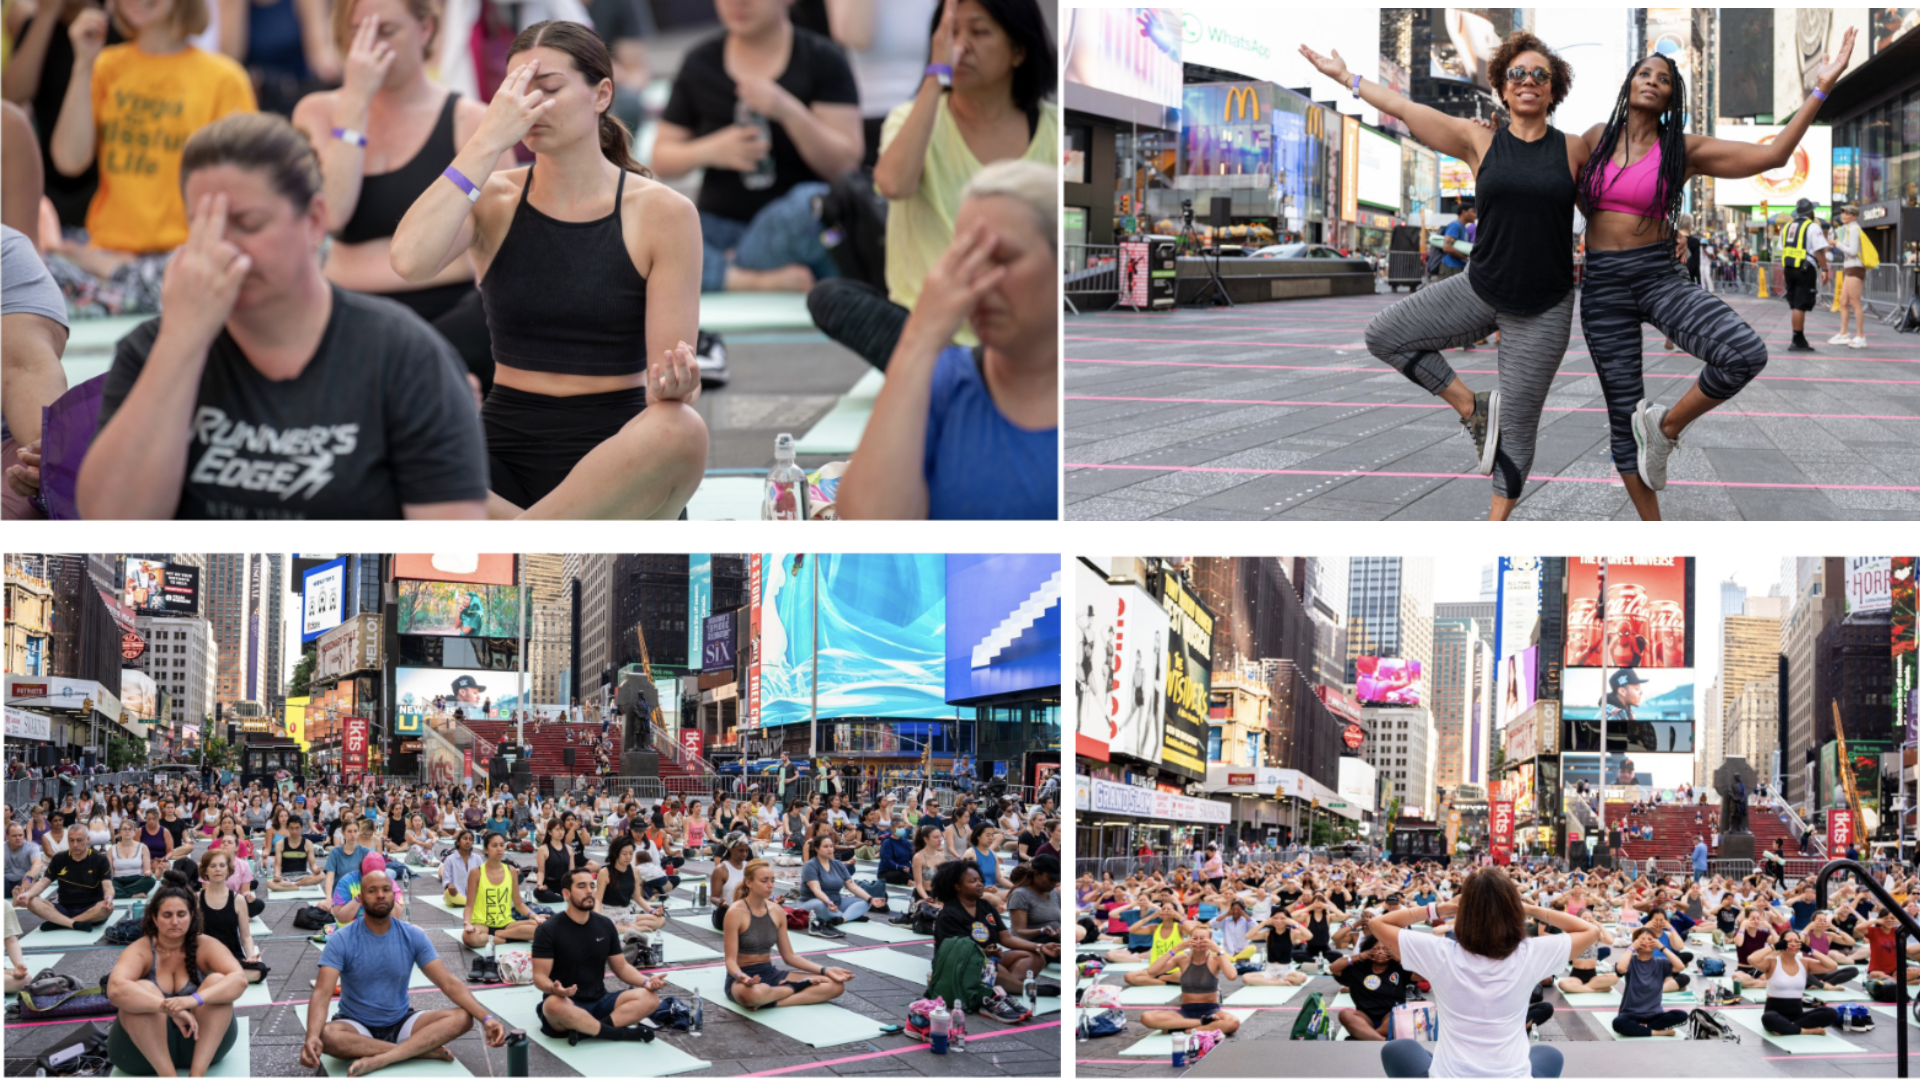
<point>726,498</point>
<point>257,995</point>
<point>1149,995</point>
<point>1122,969</point>
<point>414,1068</point>
<point>914,969</point>
<point>825,1024</point>
<point>311,892</point>
<point>1605,1020</point>
<point>239,1060</point>
<point>839,431</point>
<point>736,312</point>
<point>1161,1045</point>
<point>887,932</point>
<point>1792,1044</point>
<point>39,962</point>
<point>684,951</point>
<point>1888,1011</point>
<point>454,932</point>
<point>1843,993</point>
<point>1262,995</point>
<point>100,335</point>
<point>592,1057</point>
<point>48,936</point>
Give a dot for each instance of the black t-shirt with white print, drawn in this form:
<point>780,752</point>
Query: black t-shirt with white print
<point>380,417</point>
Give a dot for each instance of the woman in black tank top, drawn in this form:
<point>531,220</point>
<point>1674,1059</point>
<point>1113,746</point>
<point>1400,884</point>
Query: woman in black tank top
<point>382,138</point>
<point>590,274</point>
<point>1519,275</point>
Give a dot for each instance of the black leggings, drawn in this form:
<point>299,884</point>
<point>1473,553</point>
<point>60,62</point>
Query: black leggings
<point>859,316</point>
<point>534,441</point>
<point>1622,290</point>
<point>1787,1016</point>
<point>1639,1027</point>
<point>1539,1013</point>
<point>455,311</point>
<point>896,877</point>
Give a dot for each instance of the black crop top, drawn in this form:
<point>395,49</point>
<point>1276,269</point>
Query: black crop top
<point>563,296</point>
<point>386,197</point>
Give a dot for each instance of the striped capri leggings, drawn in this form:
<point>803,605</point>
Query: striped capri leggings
<point>1449,314</point>
<point>1622,290</point>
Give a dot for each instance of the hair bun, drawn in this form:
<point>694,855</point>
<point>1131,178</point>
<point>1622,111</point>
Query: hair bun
<point>174,878</point>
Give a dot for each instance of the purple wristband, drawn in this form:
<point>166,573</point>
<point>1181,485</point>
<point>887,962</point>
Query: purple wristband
<point>460,181</point>
<point>1819,93</point>
<point>1356,86</point>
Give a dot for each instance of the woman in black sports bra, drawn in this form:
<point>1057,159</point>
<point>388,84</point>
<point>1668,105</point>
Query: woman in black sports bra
<point>592,291</point>
<point>174,989</point>
<point>382,138</point>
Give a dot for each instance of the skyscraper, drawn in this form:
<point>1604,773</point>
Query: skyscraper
<point>549,646</point>
<point>1389,609</point>
<point>593,631</point>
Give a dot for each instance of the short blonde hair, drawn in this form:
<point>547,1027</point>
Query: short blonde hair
<point>189,17</point>
<point>1030,182</point>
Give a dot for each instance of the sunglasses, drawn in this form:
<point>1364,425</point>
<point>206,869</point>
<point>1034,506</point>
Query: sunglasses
<point>1538,75</point>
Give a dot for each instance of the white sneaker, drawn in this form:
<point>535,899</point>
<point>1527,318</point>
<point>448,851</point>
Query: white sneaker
<point>1654,446</point>
<point>1839,339</point>
<point>1858,342</point>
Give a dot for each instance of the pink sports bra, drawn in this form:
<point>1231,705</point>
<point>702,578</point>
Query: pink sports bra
<point>1631,190</point>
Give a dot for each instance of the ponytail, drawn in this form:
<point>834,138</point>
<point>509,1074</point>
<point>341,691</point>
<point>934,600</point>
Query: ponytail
<point>617,143</point>
<point>746,875</point>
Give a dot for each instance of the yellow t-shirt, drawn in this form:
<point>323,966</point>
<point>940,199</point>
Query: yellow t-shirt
<point>919,229</point>
<point>144,108</point>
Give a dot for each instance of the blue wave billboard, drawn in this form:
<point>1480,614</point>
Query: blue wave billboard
<point>881,637</point>
<point>1003,625</point>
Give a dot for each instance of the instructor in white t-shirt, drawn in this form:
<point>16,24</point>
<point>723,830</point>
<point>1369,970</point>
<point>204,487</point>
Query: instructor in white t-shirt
<point>1482,979</point>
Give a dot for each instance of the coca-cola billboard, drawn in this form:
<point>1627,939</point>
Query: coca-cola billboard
<point>1500,831</point>
<point>1642,619</point>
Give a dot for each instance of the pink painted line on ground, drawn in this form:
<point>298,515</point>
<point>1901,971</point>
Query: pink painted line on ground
<point>1469,371</point>
<point>971,1039</point>
<point>1570,352</point>
<point>1443,405</point>
<point>1358,473</point>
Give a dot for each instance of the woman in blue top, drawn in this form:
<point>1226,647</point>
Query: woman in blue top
<point>982,851</point>
<point>973,434</point>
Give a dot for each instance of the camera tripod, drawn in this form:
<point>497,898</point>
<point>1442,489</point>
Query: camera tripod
<point>1214,292</point>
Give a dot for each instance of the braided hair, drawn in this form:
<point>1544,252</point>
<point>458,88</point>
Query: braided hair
<point>1671,137</point>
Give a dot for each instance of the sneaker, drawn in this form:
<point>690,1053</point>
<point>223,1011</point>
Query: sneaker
<point>1654,445</point>
<point>710,352</point>
<point>1839,339</point>
<point>1483,427</point>
<point>826,930</point>
<point>1800,344</point>
<point>1858,342</point>
<point>1002,1009</point>
<point>901,919</point>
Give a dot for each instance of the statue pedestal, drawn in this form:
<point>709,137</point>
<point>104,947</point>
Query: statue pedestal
<point>1736,846</point>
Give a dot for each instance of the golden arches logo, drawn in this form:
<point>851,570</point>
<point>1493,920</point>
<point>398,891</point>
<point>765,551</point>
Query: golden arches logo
<point>1243,96</point>
<point>1316,123</point>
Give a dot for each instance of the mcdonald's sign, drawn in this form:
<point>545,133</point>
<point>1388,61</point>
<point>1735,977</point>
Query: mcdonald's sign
<point>1316,123</point>
<point>1243,96</point>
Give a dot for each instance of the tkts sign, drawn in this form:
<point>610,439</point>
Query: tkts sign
<point>1500,831</point>
<point>353,745</point>
<point>1839,832</point>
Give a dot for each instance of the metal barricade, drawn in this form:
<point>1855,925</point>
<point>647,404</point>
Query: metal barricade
<point>1733,868</point>
<point>1090,270</point>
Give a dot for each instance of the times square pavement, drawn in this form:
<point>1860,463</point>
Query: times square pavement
<point>1276,410</point>
<point>733,1045</point>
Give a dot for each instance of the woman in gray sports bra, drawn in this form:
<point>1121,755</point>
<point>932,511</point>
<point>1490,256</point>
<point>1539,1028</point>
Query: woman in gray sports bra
<point>755,928</point>
<point>173,960</point>
<point>1200,979</point>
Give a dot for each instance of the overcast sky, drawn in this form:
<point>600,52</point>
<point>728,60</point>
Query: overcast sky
<point>1595,42</point>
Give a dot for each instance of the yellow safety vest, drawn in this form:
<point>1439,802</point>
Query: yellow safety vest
<point>1794,243</point>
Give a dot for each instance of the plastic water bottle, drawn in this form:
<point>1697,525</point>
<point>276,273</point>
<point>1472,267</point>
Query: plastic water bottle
<point>761,177</point>
<point>940,1026</point>
<point>786,494</point>
<point>1027,991</point>
<point>699,1013</point>
<point>1086,1026</point>
<point>957,1038</point>
<point>987,971</point>
<point>700,896</point>
<point>1179,1049</point>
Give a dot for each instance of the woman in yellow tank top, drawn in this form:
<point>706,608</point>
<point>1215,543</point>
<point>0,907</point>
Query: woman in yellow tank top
<point>1167,936</point>
<point>494,908</point>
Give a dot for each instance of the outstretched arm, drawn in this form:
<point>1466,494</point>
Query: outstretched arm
<point>1450,135</point>
<point>1730,160</point>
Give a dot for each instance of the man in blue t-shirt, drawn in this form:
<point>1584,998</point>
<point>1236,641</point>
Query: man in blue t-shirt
<point>1452,259</point>
<point>371,960</point>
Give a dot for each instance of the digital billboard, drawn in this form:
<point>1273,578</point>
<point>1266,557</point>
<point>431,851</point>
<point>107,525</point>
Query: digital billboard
<point>1463,47</point>
<point>1869,584</point>
<point>1093,664</point>
<point>461,688</point>
<point>699,603</point>
<point>454,609</point>
<point>1379,170</point>
<point>1906,664</point>
<point>881,649</point>
<point>1456,177</point>
<point>1132,52</point>
<point>323,598</point>
<point>1890,25</point>
<point>1648,710</point>
<point>1519,675</point>
<point>719,638</point>
<point>1517,612</point>
<point>1645,620</point>
<point>152,587</point>
<point>1003,625</point>
<point>1808,174</point>
<point>1626,770</point>
<point>1124,635</point>
<point>139,697</point>
<point>1387,680</point>
<point>1189,678</point>
<point>472,569</point>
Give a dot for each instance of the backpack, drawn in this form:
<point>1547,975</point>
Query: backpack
<point>923,916</point>
<point>640,951</point>
<point>798,918</point>
<point>123,933</point>
<point>1433,264</point>
<point>516,968</point>
<point>1312,1023</point>
<point>1702,1024</point>
<point>67,999</point>
<point>1881,990</point>
<point>311,918</point>
<point>1712,966</point>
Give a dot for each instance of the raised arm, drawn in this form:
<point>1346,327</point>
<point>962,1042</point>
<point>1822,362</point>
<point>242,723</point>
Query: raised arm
<point>73,142</point>
<point>1581,934</point>
<point>1450,135</point>
<point>897,173</point>
<point>1729,160</point>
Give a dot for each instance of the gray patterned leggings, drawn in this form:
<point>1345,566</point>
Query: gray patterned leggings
<point>1449,314</point>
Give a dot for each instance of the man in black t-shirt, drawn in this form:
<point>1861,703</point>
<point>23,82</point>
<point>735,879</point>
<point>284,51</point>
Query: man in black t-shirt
<point>84,878</point>
<point>571,955</point>
<point>1377,982</point>
<point>771,112</point>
